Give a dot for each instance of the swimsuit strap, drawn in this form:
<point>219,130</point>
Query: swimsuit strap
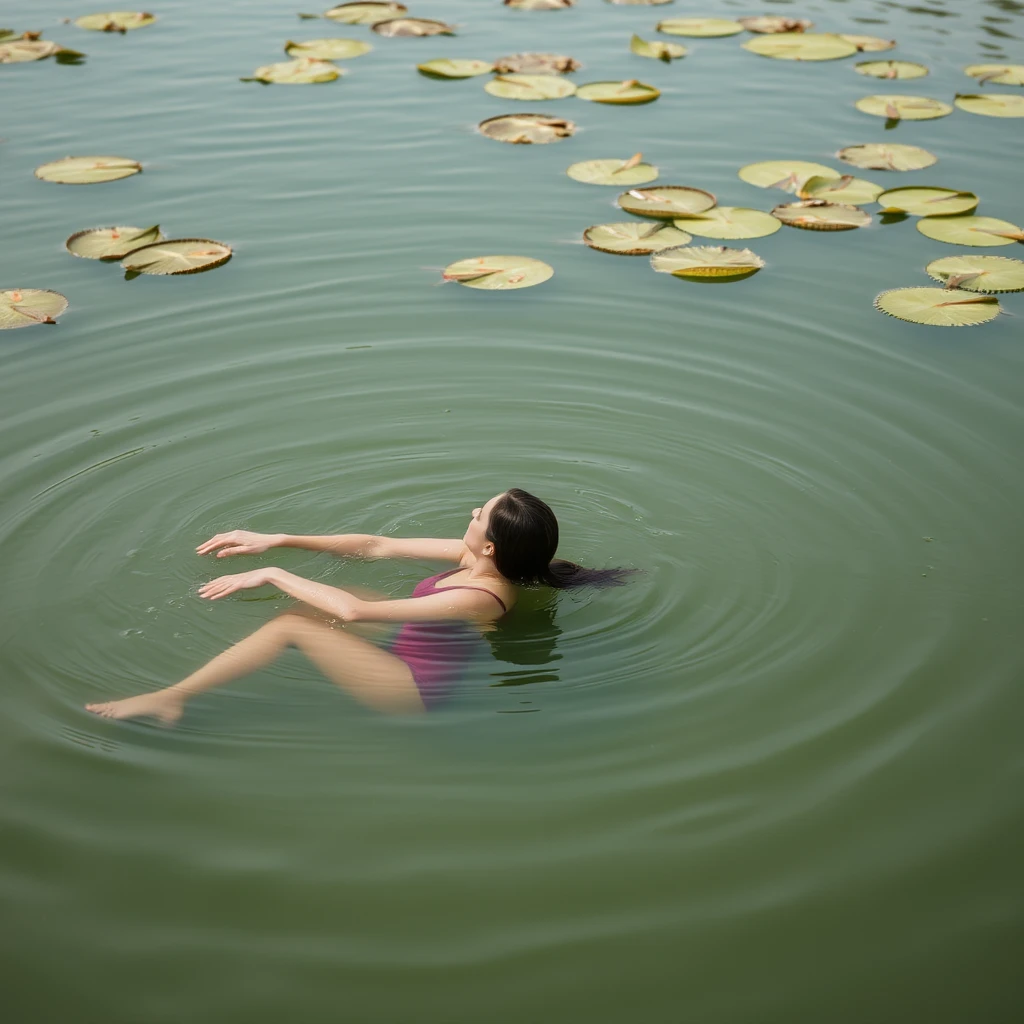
<point>445,575</point>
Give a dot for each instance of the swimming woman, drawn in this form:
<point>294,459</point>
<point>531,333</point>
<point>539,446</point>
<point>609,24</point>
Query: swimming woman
<point>510,541</point>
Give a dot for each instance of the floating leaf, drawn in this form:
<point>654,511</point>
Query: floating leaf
<point>938,307</point>
<point>448,67</point>
<point>817,215</point>
<point>530,87</point>
<point>537,129</point>
<point>536,64</point>
<point>925,201</point>
<point>666,201</point>
<point>115,21</point>
<point>999,74</point>
<point>395,27</point>
<point>656,50</point>
<point>21,51</point>
<point>801,46</point>
<point>634,237</point>
<point>789,175</point>
<point>893,156</point>
<point>327,49</point>
<point>992,104</point>
<point>768,24</point>
<point>847,189</point>
<point>908,108</point>
<point>977,273</point>
<point>23,307</point>
<point>629,92</point>
<point>111,243</point>
<point>730,222</point>
<point>498,273</point>
<point>969,229</point>
<point>613,172</point>
<point>868,44</point>
<point>303,71</point>
<point>87,170</point>
<point>891,69</point>
<point>365,13</point>
<point>177,256</point>
<point>704,28</point>
<point>706,261</point>
<point>6,33</point>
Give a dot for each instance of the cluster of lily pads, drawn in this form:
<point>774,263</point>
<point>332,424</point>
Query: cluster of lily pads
<point>30,46</point>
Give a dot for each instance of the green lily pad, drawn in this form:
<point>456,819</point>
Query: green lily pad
<point>908,108</point>
<point>536,64</point>
<point>703,28</point>
<point>868,44</point>
<point>789,175</point>
<point>21,51</point>
<point>817,215</point>
<point>730,222</point>
<point>999,74</point>
<point>629,92</point>
<point>976,273</point>
<point>892,156</point>
<point>706,261</point>
<point>498,273</point>
<point>23,307</point>
<point>6,33</point>
<point>613,172</point>
<point>412,27</point>
<point>992,104</point>
<point>890,69</point>
<point>925,201</point>
<point>634,237</point>
<point>530,87</point>
<point>938,307</point>
<point>327,49</point>
<point>177,256</point>
<point>847,189</point>
<point>801,46</point>
<point>769,24</point>
<point>115,21</point>
<point>447,67</point>
<point>111,243</point>
<point>656,50</point>
<point>969,229</point>
<point>303,71</point>
<point>666,202</point>
<point>88,170</point>
<point>365,13</point>
<point>525,129</point>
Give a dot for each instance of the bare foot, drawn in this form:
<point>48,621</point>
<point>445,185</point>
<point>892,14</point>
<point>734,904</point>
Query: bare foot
<point>162,705</point>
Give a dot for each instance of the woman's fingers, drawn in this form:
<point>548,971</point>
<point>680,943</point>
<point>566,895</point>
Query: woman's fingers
<point>235,549</point>
<point>213,543</point>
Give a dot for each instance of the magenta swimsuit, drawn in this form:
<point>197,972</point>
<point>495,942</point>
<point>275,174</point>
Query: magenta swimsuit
<point>438,653</point>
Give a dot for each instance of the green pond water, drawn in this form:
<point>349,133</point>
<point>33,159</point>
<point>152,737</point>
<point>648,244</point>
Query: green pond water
<point>776,779</point>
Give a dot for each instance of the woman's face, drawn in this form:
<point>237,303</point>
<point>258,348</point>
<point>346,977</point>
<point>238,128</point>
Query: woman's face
<point>475,537</point>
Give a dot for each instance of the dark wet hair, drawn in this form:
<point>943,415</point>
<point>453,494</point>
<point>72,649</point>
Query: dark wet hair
<point>524,532</point>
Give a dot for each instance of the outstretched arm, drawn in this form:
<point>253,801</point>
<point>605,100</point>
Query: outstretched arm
<point>363,545</point>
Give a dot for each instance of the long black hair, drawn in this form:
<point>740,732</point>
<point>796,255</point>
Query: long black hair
<point>524,532</point>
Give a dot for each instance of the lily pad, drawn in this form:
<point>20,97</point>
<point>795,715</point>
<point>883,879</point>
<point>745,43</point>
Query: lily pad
<point>908,108</point>
<point>868,44</point>
<point>992,104</point>
<point>448,67</point>
<point>21,51</point>
<point>976,273</point>
<point>789,175</point>
<point>634,237</point>
<point>23,307</point>
<point>177,256</point>
<point>418,27</point>
<point>938,307</point>
<point>666,202</point>
<point>524,129</point>
<point>893,156</point>
<point>998,74</point>
<point>88,170</point>
<point>530,87</point>
<point>768,24</point>
<point>498,273</point>
<point>891,69</point>
<point>817,215</point>
<point>115,21</point>
<point>629,92</point>
<point>801,46</point>
<point>304,71</point>
<point>327,49</point>
<point>703,28</point>
<point>706,261</point>
<point>847,189</point>
<point>111,243</point>
<point>656,50</point>
<point>536,64</point>
<point>613,172</point>
<point>730,222</point>
<point>539,5</point>
<point>969,229</point>
<point>925,201</point>
<point>365,13</point>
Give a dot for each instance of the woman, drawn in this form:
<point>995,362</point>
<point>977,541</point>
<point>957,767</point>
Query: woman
<point>510,541</point>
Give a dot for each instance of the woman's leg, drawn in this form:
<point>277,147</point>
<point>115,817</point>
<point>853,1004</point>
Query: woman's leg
<point>373,676</point>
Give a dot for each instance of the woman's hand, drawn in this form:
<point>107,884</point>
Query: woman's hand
<point>238,542</point>
<point>224,585</point>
